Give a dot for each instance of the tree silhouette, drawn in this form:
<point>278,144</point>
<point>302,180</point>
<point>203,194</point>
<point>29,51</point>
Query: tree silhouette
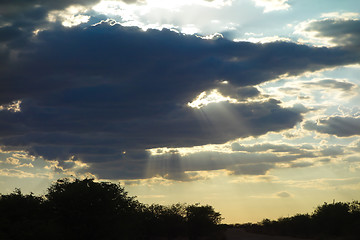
<point>21,216</point>
<point>164,221</point>
<point>85,209</point>
<point>340,219</point>
<point>201,220</point>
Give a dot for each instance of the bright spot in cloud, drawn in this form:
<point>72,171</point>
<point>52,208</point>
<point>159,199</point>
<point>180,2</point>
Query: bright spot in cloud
<point>263,39</point>
<point>13,107</point>
<point>206,98</point>
<point>189,29</point>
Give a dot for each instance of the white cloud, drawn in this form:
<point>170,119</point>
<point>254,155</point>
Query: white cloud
<point>272,5</point>
<point>339,15</point>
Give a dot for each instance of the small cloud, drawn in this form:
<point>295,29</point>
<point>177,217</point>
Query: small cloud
<point>12,161</point>
<point>272,196</point>
<point>283,195</point>
<point>335,84</point>
<point>338,126</point>
<point>151,196</point>
<point>17,163</point>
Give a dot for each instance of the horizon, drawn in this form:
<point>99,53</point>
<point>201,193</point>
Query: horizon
<point>250,106</point>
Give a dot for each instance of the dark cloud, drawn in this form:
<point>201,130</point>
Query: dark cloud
<point>19,19</point>
<point>339,126</point>
<point>105,94</point>
<point>237,163</point>
<point>341,32</point>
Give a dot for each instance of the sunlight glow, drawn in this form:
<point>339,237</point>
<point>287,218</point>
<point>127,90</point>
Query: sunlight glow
<point>134,14</point>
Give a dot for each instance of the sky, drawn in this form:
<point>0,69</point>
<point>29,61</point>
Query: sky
<point>251,106</point>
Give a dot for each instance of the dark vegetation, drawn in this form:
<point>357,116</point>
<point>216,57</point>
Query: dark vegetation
<point>339,220</point>
<point>85,209</point>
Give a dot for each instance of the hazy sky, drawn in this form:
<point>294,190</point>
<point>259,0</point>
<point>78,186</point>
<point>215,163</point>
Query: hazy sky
<point>251,106</point>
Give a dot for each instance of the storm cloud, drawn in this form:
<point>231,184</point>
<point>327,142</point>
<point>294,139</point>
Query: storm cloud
<point>106,93</point>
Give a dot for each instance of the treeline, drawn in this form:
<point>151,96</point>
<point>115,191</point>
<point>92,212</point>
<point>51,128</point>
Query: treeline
<point>85,209</point>
<point>340,220</point>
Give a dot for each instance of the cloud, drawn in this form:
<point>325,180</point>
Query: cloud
<point>331,84</point>
<point>105,94</point>
<point>339,126</point>
<point>319,91</point>
<point>342,32</point>
<point>249,160</point>
<point>21,174</point>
